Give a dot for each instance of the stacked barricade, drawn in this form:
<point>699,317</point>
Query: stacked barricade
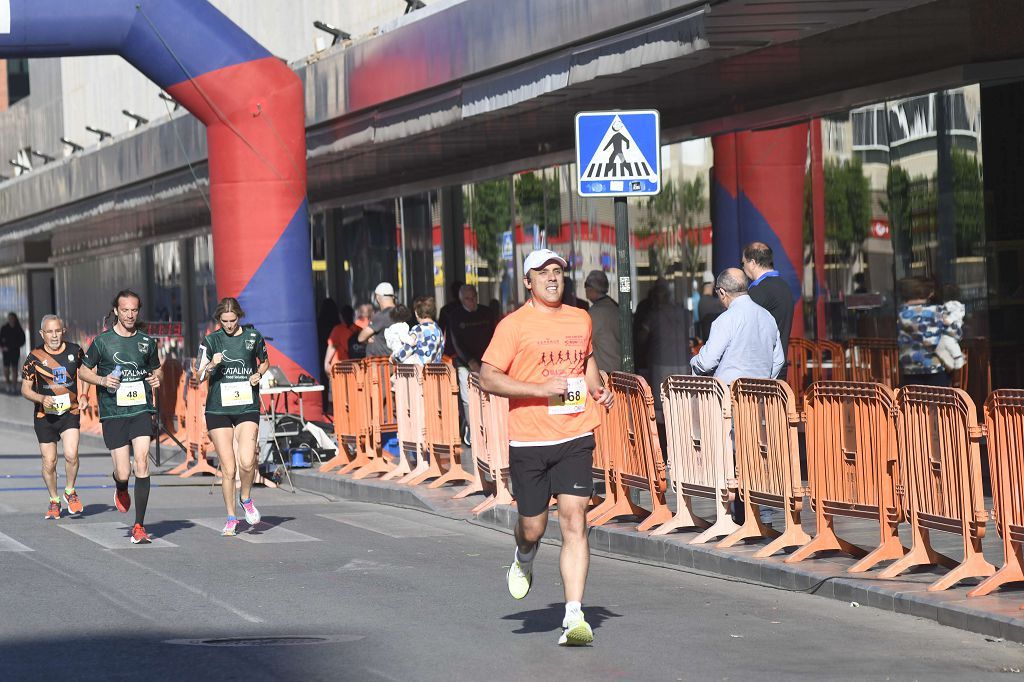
<point>875,360</point>
<point>441,417</point>
<point>1004,423</point>
<point>198,443</point>
<point>768,459</point>
<point>809,362</point>
<point>349,414</point>
<point>488,420</point>
<point>636,461</point>
<point>412,434</point>
<point>940,466</point>
<point>852,467</point>
<point>380,410</point>
<point>700,454</point>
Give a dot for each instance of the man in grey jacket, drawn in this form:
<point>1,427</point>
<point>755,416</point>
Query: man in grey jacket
<point>604,316</point>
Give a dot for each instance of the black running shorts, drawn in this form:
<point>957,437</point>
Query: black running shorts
<point>119,432</point>
<point>49,427</point>
<point>541,471</point>
<point>228,421</point>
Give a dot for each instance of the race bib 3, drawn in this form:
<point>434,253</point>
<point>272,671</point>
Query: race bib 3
<point>235,394</point>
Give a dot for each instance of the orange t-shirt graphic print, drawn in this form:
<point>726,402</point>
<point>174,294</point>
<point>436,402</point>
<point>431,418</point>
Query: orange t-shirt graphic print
<point>535,346</point>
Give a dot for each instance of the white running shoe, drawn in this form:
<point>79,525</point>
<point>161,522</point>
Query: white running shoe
<point>575,630</point>
<point>252,514</point>
<point>519,581</point>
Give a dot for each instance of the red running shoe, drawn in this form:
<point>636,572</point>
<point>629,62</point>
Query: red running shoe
<point>74,504</point>
<point>122,500</point>
<point>139,535</point>
<point>54,511</point>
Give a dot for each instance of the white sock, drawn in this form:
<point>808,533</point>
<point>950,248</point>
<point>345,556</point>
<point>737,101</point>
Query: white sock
<point>526,560</point>
<point>572,607</point>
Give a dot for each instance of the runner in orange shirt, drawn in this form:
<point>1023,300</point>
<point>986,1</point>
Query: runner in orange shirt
<point>541,359</point>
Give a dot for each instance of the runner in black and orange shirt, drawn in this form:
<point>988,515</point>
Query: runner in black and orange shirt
<point>541,359</point>
<point>50,381</point>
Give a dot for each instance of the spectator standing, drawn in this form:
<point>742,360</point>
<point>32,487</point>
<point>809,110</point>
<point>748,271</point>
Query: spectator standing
<point>744,340</point>
<point>921,325</point>
<point>372,335</point>
<point>452,303</point>
<point>357,349</point>
<point>569,296</point>
<point>604,316</point>
<point>470,328</point>
<point>337,341</point>
<point>768,289</point>
<point>708,310</point>
<point>397,332</point>
<point>425,341</point>
<point>12,338</point>
<point>663,333</point>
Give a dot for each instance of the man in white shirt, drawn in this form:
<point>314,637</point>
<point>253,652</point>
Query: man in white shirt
<point>744,340</point>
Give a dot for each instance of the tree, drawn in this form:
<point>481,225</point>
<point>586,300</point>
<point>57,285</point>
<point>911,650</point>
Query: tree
<point>847,208</point>
<point>489,215</point>
<point>538,202</point>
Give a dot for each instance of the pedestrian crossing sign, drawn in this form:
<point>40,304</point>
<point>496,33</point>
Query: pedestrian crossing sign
<point>618,153</point>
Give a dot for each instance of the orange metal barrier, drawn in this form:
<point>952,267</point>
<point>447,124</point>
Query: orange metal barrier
<point>831,353</point>
<point>697,424</point>
<point>852,467</point>
<point>380,408</point>
<point>768,457</point>
<point>349,417</point>
<point>412,435</point>
<point>636,460</point>
<point>493,432</point>
<point>89,418</point>
<point>1004,422</point>
<point>803,367</point>
<point>940,462</point>
<point>875,360</point>
<point>441,416</point>
<point>198,444</point>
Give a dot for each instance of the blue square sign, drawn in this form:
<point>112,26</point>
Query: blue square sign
<point>618,153</point>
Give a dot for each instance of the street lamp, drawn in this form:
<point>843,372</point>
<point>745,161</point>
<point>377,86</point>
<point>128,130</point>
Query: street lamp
<point>102,133</point>
<point>75,147</point>
<point>139,120</point>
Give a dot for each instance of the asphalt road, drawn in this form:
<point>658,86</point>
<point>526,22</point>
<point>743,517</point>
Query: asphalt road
<point>335,590</point>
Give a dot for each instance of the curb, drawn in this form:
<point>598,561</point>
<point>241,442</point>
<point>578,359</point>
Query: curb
<point>992,616</point>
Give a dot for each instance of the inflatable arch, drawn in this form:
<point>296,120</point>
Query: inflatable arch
<point>253,107</point>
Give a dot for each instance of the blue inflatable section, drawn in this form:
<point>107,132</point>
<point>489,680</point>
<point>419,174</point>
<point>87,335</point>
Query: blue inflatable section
<point>167,40</point>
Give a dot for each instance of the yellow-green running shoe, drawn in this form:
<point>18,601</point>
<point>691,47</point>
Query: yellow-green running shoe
<point>575,631</point>
<point>519,581</point>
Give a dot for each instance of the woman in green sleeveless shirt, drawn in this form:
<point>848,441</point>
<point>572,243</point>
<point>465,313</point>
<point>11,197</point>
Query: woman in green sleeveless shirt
<point>234,359</point>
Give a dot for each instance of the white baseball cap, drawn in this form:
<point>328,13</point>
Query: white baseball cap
<point>541,257</point>
<point>385,289</point>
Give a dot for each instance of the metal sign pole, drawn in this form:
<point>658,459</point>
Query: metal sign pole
<point>622,266</point>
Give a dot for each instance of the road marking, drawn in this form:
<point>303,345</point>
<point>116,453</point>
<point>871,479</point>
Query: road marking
<point>264,533</point>
<point>194,590</point>
<point>389,525</point>
<point>9,544</point>
<point>111,535</point>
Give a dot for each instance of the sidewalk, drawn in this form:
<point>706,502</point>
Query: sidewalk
<point>996,615</point>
